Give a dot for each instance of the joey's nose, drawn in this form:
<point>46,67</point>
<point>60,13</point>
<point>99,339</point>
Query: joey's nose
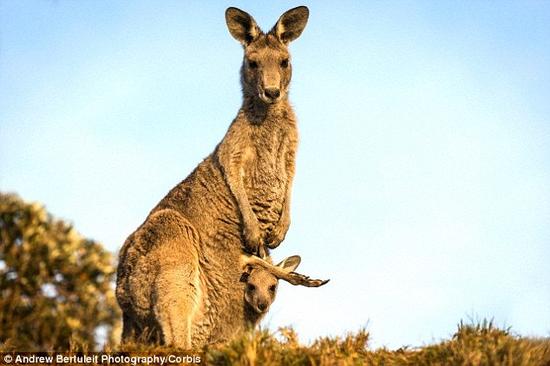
<point>272,93</point>
<point>262,306</point>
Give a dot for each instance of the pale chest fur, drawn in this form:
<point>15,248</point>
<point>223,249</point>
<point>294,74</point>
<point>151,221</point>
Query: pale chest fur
<point>266,172</point>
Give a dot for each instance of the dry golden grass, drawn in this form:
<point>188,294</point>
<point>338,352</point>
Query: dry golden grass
<point>472,344</point>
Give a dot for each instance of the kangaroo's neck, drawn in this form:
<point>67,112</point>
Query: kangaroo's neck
<point>257,112</point>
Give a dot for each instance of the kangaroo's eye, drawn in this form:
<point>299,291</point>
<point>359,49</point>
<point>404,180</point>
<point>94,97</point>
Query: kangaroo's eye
<point>272,288</point>
<point>252,64</point>
<point>251,287</point>
<point>284,63</point>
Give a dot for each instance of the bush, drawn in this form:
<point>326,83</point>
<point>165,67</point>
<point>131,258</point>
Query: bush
<point>56,286</point>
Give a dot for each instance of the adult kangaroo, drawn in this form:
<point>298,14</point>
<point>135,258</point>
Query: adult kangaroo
<point>179,271</point>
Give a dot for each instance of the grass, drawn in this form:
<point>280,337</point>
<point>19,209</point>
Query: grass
<point>473,344</point>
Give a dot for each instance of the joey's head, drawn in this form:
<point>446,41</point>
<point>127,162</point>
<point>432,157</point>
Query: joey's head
<point>266,70</point>
<point>261,283</point>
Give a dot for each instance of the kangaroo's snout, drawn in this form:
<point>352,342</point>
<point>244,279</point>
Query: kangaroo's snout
<point>272,93</point>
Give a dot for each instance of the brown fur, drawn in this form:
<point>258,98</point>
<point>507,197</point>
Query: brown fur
<point>178,275</point>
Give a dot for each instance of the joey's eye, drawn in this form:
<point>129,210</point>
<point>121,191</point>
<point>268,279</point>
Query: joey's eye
<point>284,63</point>
<point>250,287</point>
<point>252,64</point>
<point>272,288</point>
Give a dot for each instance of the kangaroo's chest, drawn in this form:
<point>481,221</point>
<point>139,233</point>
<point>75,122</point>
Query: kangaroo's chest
<point>265,171</point>
<point>266,174</point>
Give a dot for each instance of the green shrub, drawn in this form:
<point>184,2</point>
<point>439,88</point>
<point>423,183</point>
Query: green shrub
<point>55,285</point>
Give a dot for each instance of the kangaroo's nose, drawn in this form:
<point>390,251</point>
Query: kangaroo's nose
<point>262,306</point>
<point>272,93</point>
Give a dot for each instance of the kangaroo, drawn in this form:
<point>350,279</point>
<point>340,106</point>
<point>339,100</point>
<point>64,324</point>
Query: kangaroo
<point>179,271</point>
<point>261,279</point>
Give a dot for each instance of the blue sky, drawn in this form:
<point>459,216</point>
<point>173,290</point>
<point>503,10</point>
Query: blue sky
<point>423,173</point>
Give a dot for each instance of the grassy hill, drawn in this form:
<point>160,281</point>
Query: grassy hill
<point>480,344</point>
<point>472,344</point>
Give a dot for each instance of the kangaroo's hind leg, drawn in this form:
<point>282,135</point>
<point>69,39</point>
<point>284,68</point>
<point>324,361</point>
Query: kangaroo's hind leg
<point>178,303</point>
<point>177,287</point>
<point>129,328</point>
<point>147,331</point>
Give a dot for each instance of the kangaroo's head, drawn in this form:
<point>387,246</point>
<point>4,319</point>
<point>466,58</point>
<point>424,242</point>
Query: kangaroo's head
<point>266,69</point>
<point>261,283</point>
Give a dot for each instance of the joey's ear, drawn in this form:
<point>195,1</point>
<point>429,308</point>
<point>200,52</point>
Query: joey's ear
<point>246,273</point>
<point>244,277</point>
<point>291,24</point>
<point>290,264</point>
<point>241,25</point>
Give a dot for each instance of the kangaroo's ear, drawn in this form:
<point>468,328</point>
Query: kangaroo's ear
<point>241,25</point>
<point>246,273</point>
<point>291,24</point>
<point>290,264</point>
<point>244,277</point>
